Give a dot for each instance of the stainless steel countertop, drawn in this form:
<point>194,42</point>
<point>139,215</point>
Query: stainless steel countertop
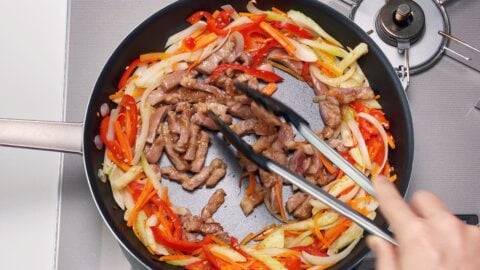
<point>447,148</point>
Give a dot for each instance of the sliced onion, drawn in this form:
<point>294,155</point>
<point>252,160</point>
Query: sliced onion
<point>352,124</point>
<point>101,175</point>
<point>97,141</point>
<point>186,32</point>
<point>252,8</point>
<point>211,49</point>
<point>239,42</point>
<point>234,15</point>
<point>104,110</point>
<point>347,138</point>
<point>329,260</point>
<point>333,82</point>
<point>111,130</point>
<point>382,132</point>
<point>303,52</point>
<point>239,21</point>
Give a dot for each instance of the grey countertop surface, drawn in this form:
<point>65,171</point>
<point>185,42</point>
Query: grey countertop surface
<point>447,128</point>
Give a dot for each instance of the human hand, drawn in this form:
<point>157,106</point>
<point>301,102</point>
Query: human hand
<point>429,236</point>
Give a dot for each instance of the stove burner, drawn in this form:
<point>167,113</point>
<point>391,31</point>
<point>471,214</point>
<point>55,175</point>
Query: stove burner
<point>400,22</point>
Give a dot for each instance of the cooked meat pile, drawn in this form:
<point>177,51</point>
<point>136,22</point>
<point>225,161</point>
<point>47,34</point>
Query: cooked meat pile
<point>180,123</point>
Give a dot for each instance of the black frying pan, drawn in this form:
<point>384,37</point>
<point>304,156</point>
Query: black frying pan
<point>150,36</point>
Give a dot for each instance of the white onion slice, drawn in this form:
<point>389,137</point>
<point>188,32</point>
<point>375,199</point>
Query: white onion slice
<point>239,42</point>
<point>186,32</point>
<point>333,82</point>
<point>372,120</point>
<point>252,8</point>
<point>239,21</point>
<point>97,141</point>
<point>347,138</point>
<point>111,129</point>
<point>352,124</point>
<point>303,52</point>
<point>234,15</point>
<point>104,110</point>
<point>329,260</point>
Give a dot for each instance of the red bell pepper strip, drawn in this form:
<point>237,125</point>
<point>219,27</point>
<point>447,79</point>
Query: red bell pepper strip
<point>113,146</point>
<point>129,106</point>
<point>180,245</point>
<point>177,234</point>
<point>197,16</point>
<point>292,28</point>
<point>258,57</point>
<point>311,249</point>
<point>200,265</point>
<point>189,42</point>
<point>214,261</point>
<point>307,77</point>
<point>261,74</point>
<point>292,262</point>
<point>127,73</point>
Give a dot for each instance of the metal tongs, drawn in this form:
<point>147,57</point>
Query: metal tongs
<point>304,129</point>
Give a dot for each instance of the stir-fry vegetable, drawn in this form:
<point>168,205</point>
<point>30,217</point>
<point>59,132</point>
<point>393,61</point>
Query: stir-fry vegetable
<point>159,95</point>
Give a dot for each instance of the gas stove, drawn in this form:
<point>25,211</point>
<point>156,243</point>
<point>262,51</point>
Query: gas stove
<point>432,44</point>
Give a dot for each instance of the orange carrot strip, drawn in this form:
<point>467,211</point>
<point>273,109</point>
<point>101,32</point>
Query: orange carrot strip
<point>165,223</point>
<point>138,92</point>
<point>289,47</point>
<point>278,196</point>
<point>332,234</point>
<point>154,57</point>
<point>174,257</point>
<point>204,40</point>
<point>328,165</point>
<point>278,11</point>
<point>142,199</point>
<point>327,69</point>
<point>340,174</point>
<point>269,89</point>
<point>317,231</point>
<point>165,196</point>
<point>117,94</point>
<point>122,165</point>
<point>123,141</point>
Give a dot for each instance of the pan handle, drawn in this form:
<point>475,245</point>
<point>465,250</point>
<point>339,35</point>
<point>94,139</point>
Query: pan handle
<point>45,135</point>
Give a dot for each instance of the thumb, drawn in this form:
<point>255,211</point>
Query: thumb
<point>384,252</point>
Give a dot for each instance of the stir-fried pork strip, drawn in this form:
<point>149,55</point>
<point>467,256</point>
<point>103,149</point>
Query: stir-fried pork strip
<point>154,152</point>
<point>304,210</point>
<point>297,162</point>
<point>215,201</point>
<point>268,179</point>
<point>191,237</point>
<point>173,174</point>
<point>204,120</point>
<point>226,83</point>
<point>324,177</point>
<point>295,201</point>
<point>286,136</point>
<point>244,127</point>
<point>226,54</point>
<point>251,81</point>
<point>210,174</point>
<point>219,171</point>
<point>184,123</point>
<point>246,164</point>
<point>319,88</point>
<point>264,115</point>
<point>350,94</point>
<point>330,111</point>
<point>173,124</point>
<point>316,163</point>
<point>239,110</point>
<point>169,81</point>
<point>249,201</point>
<point>172,155</point>
<point>282,57</point>
<point>192,144</point>
<point>263,142</point>
<point>338,145</point>
<point>263,129</point>
<point>197,224</point>
<point>195,84</point>
<point>201,153</point>
<point>271,199</point>
<point>156,118</point>
<point>194,96</point>
<point>245,58</point>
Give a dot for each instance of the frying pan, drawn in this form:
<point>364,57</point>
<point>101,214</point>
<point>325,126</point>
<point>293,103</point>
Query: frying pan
<point>150,36</point>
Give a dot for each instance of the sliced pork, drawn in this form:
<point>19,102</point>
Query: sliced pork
<point>215,201</point>
<point>156,118</point>
<point>155,150</point>
<point>179,163</point>
<point>201,153</point>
